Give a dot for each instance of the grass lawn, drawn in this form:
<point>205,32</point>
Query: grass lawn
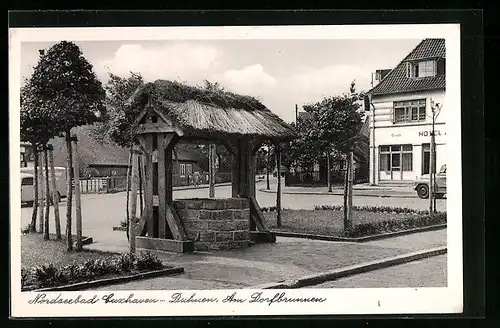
<point>324,222</point>
<point>36,251</point>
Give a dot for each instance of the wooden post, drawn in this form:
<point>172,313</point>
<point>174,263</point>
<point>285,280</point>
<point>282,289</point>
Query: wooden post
<point>211,170</point>
<point>278,191</point>
<point>133,203</point>
<point>46,235</point>
<point>78,201</point>
<point>41,184</point>
<point>55,195</point>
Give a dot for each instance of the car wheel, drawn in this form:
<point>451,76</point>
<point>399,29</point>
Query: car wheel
<point>423,191</point>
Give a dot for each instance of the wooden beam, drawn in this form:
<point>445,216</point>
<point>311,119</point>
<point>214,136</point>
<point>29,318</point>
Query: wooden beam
<point>174,222</point>
<point>154,128</point>
<point>164,181</point>
<point>256,215</point>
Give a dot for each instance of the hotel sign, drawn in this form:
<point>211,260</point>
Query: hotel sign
<point>427,133</point>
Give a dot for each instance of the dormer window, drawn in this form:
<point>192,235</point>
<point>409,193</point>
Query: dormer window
<point>425,68</point>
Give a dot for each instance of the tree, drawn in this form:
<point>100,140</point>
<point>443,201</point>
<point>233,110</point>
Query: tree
<point>336,124</point>
<point>36,123</point>
<point>118,123</point>
<point>64,82</point>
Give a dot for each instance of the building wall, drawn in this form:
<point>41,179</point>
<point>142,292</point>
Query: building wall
<point>416,134</point>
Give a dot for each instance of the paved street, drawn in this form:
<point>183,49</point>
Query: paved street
<point>288,258</point>
<point>430,272</point>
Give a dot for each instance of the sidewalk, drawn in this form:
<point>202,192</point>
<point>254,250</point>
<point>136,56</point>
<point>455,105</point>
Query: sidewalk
<point>364,189</point>
<point>288,258</point>
<point>202,186</point>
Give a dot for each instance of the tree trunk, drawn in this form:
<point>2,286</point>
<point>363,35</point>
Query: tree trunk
<point>55,196</point>
<point>346,187</point>
<point>328,175</point>
<point>141,201</point>
<point>267,168</point>
<point>46,235</point>
<point>128,190</point>
<point>78,201</point>
<point>41,203</point>
<point>278,190</point>
<point>69,201</point>
<point>133,202</point>
<point>211,171</point>
<point>35,183</point>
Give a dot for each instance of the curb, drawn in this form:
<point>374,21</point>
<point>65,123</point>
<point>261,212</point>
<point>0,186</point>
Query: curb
<point>359,239</point>
<point>340,194</point>
<point>315,279</point>
<point>112,281</point>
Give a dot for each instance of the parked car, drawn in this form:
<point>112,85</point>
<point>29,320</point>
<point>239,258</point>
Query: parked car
<point>422,185</point>
<point>27,184</point>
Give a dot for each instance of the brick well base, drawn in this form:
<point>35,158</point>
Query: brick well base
<point>215,224</point>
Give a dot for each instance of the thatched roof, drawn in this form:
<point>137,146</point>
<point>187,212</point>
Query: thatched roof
<point>205,113</point>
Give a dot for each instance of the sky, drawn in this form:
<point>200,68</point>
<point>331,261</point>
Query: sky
<point>280,73</point>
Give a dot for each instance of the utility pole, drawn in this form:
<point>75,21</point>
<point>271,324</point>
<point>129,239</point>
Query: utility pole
<point>211,170</point>
<point>435,110</point>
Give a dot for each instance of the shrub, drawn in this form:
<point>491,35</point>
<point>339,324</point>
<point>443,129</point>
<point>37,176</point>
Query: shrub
<point>412,222</point>
<point>25,230</point>
<point>374,209</point>
<point>147,260</point>
<point>49,275</point>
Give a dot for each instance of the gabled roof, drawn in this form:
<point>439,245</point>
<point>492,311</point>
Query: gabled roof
<point>199,112</point>
<point>98,153</point>
<point>396,80</point>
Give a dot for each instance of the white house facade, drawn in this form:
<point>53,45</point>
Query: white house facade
<point>401,116</point>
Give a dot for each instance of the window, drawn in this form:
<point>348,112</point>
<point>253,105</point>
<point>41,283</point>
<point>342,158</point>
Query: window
<point>426,159</point>
<point>27,182</point>
<point>189,169</point>
<point>396,158</point>
<point>425,68</point>
<point>409,111</point>
<point>182,169</point>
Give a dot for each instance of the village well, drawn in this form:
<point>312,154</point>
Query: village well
<point>171,112</point>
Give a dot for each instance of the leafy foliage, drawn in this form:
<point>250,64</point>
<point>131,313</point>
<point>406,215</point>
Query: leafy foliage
<point>64,90</point>
<point>119,123</point>
<point>326,126</point>
<point>50,275</point>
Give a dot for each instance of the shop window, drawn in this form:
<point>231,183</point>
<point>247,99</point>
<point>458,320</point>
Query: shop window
<point>409,111</point>
<point>396,158</point>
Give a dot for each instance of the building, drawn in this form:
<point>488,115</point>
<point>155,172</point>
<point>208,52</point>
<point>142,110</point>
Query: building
<point>401,119</point>
<point>27,158</point>
<point>105,158</point>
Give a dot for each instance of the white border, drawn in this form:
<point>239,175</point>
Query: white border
<point>340,301</point>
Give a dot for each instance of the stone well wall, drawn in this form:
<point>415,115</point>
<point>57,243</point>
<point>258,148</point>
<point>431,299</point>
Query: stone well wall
<point>215,224</point>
